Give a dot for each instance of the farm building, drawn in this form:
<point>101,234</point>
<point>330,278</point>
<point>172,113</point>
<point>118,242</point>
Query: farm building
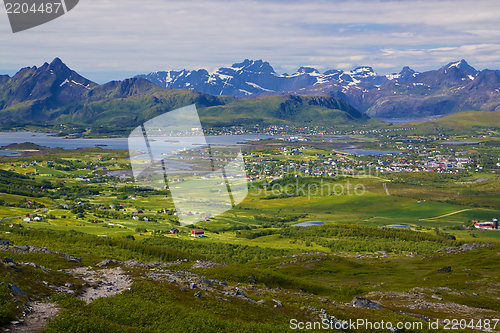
<point>309,224</point>
<point>198,233</point>
<point>487,225</point>
<point>38,218</point>
<point>174,231</point>
<point>397,226</point>
<point>28,219</point>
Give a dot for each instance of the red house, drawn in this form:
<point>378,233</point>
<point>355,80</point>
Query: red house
<point>198,233</point>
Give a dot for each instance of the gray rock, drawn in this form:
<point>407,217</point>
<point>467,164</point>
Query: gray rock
<point>18,291</point>
<point>446,269</point>
<point>24,248</point>
<point>206,281</point>
<point>107,262</point>
<point>360,302</point>
<point>72,258</point>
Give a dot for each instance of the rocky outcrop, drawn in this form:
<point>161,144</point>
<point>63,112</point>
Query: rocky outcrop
<point>23,249</point>
<point>360,302</point>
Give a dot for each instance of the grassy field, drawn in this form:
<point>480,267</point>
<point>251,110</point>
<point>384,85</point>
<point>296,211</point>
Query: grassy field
<point>353,254</point>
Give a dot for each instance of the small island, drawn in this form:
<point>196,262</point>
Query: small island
<point>26,146</point>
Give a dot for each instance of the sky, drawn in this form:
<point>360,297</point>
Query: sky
<point>115,39</point>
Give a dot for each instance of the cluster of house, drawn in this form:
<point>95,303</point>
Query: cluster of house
<point>437,163</point>
<point>112,206</point>
<point>486,225</point>
<point>194,233</point>
<point>31,219</point>
<point>137,218</point>
<point>28,204</point>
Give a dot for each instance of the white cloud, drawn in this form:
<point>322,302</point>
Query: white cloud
<point>141,36</point>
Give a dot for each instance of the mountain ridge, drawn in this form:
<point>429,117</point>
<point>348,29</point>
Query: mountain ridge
<point>429,93</point>
<point>53,95</point>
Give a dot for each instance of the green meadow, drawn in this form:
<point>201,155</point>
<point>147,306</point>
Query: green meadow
<point>354,254</point>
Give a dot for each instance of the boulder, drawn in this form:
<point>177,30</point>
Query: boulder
<point>23,248</point>
<point>446,269</point>
<point>107,262</point>
<point>277,302</point>
<point>361,302</point>
<point>18,291</point>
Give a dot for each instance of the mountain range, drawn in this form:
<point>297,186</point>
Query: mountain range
<point>54,95</point>
<point>246,93</point>
<point>454,87</point>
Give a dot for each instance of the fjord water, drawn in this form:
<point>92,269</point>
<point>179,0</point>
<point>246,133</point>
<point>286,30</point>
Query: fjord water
<point>51,141</point>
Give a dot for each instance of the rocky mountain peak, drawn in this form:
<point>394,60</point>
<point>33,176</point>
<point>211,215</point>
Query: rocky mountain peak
<point>307,70</point>
<point>462,65</point>
<point>406,74</point>
<point>257,66</point>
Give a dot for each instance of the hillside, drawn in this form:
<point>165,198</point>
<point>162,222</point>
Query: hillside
<point>54,95</point>
<point>466,123</point>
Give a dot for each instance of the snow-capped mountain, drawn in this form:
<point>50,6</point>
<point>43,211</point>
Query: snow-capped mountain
<point>258,77</point>
<point>454,87</point>
<point>54,95</point>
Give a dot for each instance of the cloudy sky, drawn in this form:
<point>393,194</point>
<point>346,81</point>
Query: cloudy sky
<point>115,39</point>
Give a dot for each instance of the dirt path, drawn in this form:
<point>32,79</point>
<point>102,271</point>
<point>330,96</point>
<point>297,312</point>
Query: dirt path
<point>385,188</point>
<point>227,219</point>
<point>36,320</point>
<point>105,282</point>
<point>449,214</point>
